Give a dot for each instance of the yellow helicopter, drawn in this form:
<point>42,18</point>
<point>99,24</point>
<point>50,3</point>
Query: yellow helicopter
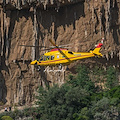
<point>62,56</point>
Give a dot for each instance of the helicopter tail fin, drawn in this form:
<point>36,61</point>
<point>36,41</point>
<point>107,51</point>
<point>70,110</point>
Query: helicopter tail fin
<point>97,49</point>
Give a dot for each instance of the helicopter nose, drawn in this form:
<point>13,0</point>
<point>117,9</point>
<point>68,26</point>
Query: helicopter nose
<point>33,62</point>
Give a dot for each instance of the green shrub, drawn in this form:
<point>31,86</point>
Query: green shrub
<point>61,102</point>
<point>113,93</point>
<point>6,118</point>
<point>82,79</point>
<point>112,80</point>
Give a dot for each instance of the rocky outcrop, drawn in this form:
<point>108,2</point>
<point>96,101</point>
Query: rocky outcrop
<point>43,4</point>
<point>31,22</point>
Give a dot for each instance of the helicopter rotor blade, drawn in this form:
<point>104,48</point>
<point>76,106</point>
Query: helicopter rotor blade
<point>60,50</point>
<point>45,49</point>
<point>32,46</point>
<point>58,46</point>
<point>52,46</point>
<point>65,45</point>
<point>61,45</point>
<point>52,42</point>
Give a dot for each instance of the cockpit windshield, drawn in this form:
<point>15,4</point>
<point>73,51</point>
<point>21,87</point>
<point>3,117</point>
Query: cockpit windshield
<point>41,58</point>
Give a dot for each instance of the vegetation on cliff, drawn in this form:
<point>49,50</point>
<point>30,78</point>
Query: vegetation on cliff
<point>80,98</point>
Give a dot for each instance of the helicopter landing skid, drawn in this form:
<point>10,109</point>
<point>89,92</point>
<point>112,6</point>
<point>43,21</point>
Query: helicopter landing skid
<point>38,68</point>
<point>54,69</point>
<point>55,75</point>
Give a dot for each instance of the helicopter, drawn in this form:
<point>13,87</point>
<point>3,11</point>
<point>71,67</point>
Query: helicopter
<point>62,56</point>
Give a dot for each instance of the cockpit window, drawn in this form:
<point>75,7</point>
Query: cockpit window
<point>47,57</point>
<point>38,59</point>
<point>70,52</point>
<point>57,56</point>
<point>52,57</point>
<point>44,58</point>
<point>41,59</point>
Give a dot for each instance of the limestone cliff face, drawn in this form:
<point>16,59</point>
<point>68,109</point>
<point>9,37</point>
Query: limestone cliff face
<point>32,22</point>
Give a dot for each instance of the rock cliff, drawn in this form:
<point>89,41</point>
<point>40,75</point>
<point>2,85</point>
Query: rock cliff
<point>31,22</point>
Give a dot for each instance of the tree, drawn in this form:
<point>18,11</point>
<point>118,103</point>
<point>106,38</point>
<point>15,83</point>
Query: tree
<point>83,115</point>
<point>78,100</point>
<point>98,75</point>
<point>61,102</point>
<point>83,80</point>
<point>104,110</point>
<point>111,76</point>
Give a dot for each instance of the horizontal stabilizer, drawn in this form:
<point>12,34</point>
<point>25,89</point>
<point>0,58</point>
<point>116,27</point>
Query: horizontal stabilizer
<point>97,49</point>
